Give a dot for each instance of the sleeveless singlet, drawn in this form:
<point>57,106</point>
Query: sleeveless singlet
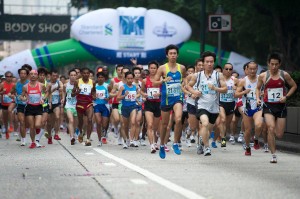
<point>34,94</point>
<point>150,89</point>
<point>101,94</point>
<point>70,101</point>
<point>85,94</point>
<point>274,89</point>
<point>129,99</point>
<point>19,90</point>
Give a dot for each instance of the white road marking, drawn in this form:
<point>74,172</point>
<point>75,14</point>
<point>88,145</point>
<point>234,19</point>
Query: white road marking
<point>89,153</point>
<point>138,181</point>
<point>109,164</point>
<point>151,176</point>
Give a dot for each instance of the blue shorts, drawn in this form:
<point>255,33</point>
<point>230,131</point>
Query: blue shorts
<point>138,108</point>
<point>251,112</point>
<point>103,109</point>
<point>126,110</point>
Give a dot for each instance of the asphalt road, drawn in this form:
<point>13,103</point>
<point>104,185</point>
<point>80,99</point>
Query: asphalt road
<point>78,172</point>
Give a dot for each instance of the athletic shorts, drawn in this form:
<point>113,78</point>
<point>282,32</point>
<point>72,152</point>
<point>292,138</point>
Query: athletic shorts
<point>120,108</point>
<point>191,109</point>
<point>46,109</point>
<point>237,112</point>
<point>228,107</point>
<point>251,112</point>
<point>31,110</point>
<point>72,110</point>
<point>212,117</point>
<point>4,108</point>
<point>153,107</point>
<point>54,106</point>
<point>103,109</point>
<point>114,106</point>
<point>185,115</point>
<point>21,108</point>
<point>168,108</point>
<point>126,110</point>
<point>138,108</point>
<point>82,107</point>
<point>0,106</point>
<point>278,110</point>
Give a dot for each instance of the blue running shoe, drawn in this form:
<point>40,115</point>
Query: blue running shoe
<point>214,145</point>
<point>162,153</point>
<point>176,149</point>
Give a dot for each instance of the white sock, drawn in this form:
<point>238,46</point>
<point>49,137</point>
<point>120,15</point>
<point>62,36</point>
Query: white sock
<point>39,136</point>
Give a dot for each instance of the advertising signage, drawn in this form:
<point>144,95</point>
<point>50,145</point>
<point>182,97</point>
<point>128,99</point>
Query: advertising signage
<point>34,27</point>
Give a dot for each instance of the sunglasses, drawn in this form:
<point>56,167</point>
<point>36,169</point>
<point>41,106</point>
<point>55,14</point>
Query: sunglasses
<point>227,68</point>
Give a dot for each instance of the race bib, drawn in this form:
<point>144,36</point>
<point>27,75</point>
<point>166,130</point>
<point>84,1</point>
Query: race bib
<point>151,92</point>
<point>55,99</point>
<point>100,94</point>
<point>34,98</point>
<point>206,90</point>
<point>173,90</point>
<point>7,99</point>
<point>227,97</point>
<point>274,94</point>
<point>85,89</point>
<point>131,96</point>
<point>251,95</point>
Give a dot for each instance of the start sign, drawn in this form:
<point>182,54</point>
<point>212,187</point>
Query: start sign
<point>41,27</point>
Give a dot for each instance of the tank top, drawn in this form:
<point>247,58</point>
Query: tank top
<point>70,101</point>
<point>101,94</point>
<point>55,94</point>
<point>190,100</point>
<point>150,89</point>
<point>209,99</point>
<point>129,99</point>
<point>139,86</point>
<point>250,98</point>
<point>274,89</point>
<point>171,91</point>
<point>229,96</point>
<point>19,90</point>
<point>114,99</point>
<point>85,94</point>
<point>34,94</point>
<point>6,101</point>
<point>43,95</point>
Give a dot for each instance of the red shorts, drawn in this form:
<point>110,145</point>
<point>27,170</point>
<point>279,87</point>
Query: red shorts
<point>82,107</point>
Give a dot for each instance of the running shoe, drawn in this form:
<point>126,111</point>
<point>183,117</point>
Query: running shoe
<point>23,143</point>
<point>131,144</point>
<point>256,145</point>
<point>223,142</point>
<point>18,139</point>
<point>125,145</point>
<point>232,140</point>
<point>104,140</point>
<point>207,151</point>
<point>200,149</point>
<point>192,139</point>
<point>142,142</point>
<point>50,140</point>
<point>7,135</point>
<point>80,138</point>
<point>188,142</point>
<point>56,137</point>
<point>38,145</point>
<point>176,149</point>
<point>11,129</point>
<point>99,143</point>
<point>248,151</point>
<point>213,144</point>
<point>135,143</point>
<point>241,138</point>
<point>166,148</point>
<point>273,159</point>
<point>73,141</point>
<point>162,153</point>
<point>88,143</point>
<point>266,148</point>
<point>32,146</point>
<point>152,149</point>
<point>156,147</point>
<point>120,141</point>
<point>244,146</point>
<point>61,127</point>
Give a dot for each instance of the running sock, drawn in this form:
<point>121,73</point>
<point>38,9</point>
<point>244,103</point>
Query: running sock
<point>39,136</point>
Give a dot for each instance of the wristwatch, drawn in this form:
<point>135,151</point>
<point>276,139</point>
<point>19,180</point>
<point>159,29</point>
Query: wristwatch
<point>190,94</point>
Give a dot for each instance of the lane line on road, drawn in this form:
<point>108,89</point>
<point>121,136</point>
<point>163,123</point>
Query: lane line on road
<point>138,181</point>
<point>109,164</point>
<point>151,176</point>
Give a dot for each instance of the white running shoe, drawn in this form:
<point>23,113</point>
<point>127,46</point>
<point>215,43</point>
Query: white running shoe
<point>120,141</point>
<point>153,149</point>
<point>232,140</point>
<point>38,145</point>
<point>188,142</point>
<point>207,151</point>
<point>131,144</point>
<point>125,146</point>
<point>23,143</point>
<point>99,144</point>
<point>135,143</point>
<point>192,139</point>
<point>273,159</point>
<point>266,148</point>
<point>143,143</point>
<point>241,138</point>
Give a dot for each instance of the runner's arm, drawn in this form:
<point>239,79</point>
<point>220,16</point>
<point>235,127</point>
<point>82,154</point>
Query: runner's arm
<point>223,87</point>
<point>291,83</point>
<point>239,90</point>
<point>258,88</point>
<point>119,94</point>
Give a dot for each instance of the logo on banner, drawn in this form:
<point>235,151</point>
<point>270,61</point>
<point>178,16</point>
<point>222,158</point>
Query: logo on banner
<point>132,32</point>
<point>164,31</point>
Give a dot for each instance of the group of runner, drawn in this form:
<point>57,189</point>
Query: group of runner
<point>194,100</point>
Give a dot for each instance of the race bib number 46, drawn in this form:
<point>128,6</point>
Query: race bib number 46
<point>274,94</point>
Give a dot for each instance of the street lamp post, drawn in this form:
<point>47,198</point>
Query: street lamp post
<point>219,12</point>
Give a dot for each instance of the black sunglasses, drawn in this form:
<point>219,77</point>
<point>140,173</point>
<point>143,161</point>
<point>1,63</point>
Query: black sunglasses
<point>227,68</point>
